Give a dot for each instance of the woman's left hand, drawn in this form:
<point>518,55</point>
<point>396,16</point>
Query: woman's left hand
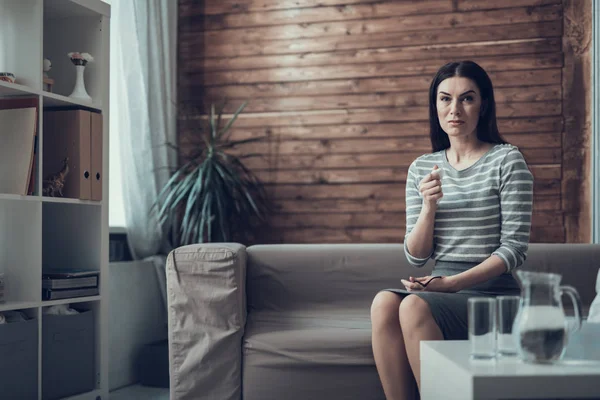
<point>430,284</point>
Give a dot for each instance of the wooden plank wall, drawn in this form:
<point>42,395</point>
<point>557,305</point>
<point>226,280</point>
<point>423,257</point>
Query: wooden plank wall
<point>338,89</point>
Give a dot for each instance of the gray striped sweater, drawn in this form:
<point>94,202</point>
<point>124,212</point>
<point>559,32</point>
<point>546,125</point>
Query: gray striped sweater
<point>486,208</point>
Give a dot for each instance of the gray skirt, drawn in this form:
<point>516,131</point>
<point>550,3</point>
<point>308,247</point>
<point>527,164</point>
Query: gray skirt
<point>449,310</point>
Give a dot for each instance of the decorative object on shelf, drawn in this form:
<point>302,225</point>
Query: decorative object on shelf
<point>7,77</point>
<point>80,60</point>
<point>48,82</point>
<point>54,183</point>
<point>60,309</point>
<point>213,197</point>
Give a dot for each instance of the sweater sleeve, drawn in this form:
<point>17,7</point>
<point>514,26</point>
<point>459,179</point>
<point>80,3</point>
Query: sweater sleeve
<point>414,202</point>
<point>516,203</point>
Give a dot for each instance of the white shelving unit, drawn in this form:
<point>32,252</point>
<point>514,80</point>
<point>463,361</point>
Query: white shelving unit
<point>38,232</point>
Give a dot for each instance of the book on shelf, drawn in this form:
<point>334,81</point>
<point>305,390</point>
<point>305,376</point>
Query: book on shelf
<point>49,294</point>
<point>33,175</point>
<point>68,273</point>
<point>69,283</point>
<point>18,131</point>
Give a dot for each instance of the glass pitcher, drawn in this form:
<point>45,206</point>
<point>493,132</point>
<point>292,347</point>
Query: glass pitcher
<point>540,326</point>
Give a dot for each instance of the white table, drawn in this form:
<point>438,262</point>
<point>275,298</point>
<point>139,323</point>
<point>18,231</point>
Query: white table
<point>447,372</point>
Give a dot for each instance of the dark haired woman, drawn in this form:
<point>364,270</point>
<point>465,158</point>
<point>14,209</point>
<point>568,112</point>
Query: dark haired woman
<point>475,226</point>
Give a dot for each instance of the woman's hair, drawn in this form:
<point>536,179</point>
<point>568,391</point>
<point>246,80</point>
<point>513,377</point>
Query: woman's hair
<point>487,127</point>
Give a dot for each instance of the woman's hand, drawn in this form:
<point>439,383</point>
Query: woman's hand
<point>430,188</point>
<point>430,284</point>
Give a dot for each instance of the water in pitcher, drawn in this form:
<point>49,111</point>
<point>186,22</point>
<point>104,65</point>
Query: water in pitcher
<point>543,334</point>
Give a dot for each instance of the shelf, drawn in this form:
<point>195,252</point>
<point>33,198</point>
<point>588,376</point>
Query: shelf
<point>71,236</point>
<point>7,196</point>
<point>20,44</point>
<point>21,305</point>
<point>15,89</point>
<point>57,100</point>
<point>17,305</point>
<point>38,232</point>
<point>20,258</point>
<point>71,300</point>
<point>46,199</point>
<point>54,9</point>
<point>63,200</point>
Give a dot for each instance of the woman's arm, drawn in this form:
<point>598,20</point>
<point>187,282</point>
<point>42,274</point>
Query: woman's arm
<point>421,206</point>
<point>490,268</point>
<point>516,205</point>
<point>420,241</point>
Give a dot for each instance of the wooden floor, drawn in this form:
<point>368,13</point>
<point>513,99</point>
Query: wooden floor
<point>139,392</point>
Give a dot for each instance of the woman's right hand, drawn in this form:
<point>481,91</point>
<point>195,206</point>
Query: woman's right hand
<point>430,188</point>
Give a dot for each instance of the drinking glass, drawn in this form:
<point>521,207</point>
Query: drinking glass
<point>482,327</point>
<point>508,306</point>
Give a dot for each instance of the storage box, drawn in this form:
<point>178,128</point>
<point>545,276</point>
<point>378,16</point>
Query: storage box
<point>68,355</point>
<point>19,360</point>
<point>76,135</point>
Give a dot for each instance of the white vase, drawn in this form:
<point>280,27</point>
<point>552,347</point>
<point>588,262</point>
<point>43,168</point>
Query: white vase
<point>79,91</point>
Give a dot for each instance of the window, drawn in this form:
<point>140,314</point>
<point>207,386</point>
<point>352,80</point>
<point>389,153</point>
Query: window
<point>116,208</point>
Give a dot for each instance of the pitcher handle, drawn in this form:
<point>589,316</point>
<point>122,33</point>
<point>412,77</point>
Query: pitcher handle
<point>576,300</point>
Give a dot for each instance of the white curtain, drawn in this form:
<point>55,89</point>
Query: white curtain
<point>143,117</point>
<point>143,104</point>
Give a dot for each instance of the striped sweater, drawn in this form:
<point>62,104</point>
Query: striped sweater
<point>486,208</point>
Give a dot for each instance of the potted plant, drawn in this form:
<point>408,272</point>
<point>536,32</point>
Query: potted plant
<point>213,197</point>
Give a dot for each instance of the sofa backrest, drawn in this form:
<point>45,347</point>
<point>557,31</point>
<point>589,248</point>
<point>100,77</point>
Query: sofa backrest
<point>304,276</point>
<point>577,263</point>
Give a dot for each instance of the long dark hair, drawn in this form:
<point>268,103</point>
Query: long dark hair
<point>487,127</point>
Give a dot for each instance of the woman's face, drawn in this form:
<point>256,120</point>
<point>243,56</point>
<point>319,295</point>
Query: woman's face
<point>458,106</point>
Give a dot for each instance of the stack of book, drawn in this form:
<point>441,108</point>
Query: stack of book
<point>65,284</point>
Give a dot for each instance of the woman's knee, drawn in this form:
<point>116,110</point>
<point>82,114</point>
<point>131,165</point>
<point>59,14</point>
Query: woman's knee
<point>414,312</point>
<point>384,308</point>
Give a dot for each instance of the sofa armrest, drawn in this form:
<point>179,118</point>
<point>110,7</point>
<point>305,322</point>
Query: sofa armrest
<point>207,315</point>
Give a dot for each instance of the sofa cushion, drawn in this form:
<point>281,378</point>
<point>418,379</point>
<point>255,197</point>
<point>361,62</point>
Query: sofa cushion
<point>322,353</point>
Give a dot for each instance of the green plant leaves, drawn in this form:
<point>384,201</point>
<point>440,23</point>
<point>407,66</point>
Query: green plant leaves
<point>214,197</point>
<point>232,120</point>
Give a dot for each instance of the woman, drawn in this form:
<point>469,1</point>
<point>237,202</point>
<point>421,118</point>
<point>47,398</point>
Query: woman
<point>475,226</point>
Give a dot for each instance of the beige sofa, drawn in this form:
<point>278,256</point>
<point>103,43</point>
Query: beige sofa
<point>291,322</point>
